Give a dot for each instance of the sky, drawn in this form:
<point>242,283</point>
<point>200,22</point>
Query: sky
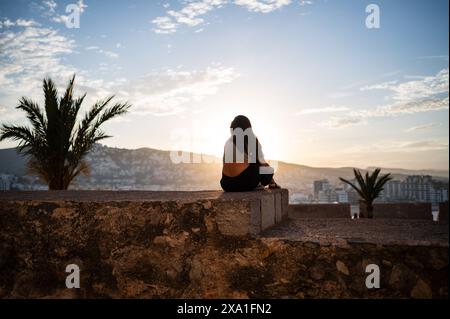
<point>320,87</point>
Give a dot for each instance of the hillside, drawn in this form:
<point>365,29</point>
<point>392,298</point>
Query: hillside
<point>146,168</point>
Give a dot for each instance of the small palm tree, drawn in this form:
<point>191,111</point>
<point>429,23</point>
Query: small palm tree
<point>57,143</point>
<point>369,188</point>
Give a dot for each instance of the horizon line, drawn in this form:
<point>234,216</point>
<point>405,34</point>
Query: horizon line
<point>282,161</point>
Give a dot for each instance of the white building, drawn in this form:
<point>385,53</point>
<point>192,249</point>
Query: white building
<point>5,182</point>
<point>392,191</point>
<point>321,186</point>
<point>418,188</point>
<point>342,195</point>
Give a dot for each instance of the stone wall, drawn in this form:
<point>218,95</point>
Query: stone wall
<point>319,211</point>
<point>400,210</point>
<point>200,245</point>
<point>443,212</point>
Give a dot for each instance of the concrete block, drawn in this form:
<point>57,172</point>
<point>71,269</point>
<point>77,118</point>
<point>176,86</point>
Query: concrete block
<point>267,211</point>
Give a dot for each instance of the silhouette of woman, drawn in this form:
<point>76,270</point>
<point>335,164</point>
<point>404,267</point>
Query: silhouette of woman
<point>244,166</point>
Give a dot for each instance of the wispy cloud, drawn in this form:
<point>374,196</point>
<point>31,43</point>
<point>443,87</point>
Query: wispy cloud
<point>265,6</point>
<point>379,86</point>
<point>49,7</point>
<point>348,90</point>
<point>190,15</point>
<point>342,122</point>
<point>28,54</point>
<point>416,89</point>
<point>6,23</point>
<point>329,109</point>
<point>50,4</point>
<point>109,54</point>
<point>427,94</point>
<point>423,127</point>
<point>193,12</point>
<point>395,146</point>
<point>168,92</point>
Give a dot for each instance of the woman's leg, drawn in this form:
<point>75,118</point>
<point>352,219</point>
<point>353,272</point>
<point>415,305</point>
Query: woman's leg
<point>248,180</point>
<point>265,179</point>
<point>265,173</point>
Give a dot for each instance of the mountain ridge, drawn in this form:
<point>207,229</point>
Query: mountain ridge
<point>153,169</point>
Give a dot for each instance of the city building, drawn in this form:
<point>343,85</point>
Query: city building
<point>342,195</point>
<point>5,182</point>
<point>392,191</point>
<point>415,188</point>
<point>321,185</point>
<point>418,188</point>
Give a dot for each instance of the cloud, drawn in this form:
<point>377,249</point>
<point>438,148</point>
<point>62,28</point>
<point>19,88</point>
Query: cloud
<point>165,25</point>
<point>419,106</point>
<point>329,109</point>
<point>167,92</point>
<point>6,23</point>
<point>342,122</point>
<point>416,89</point>
<point>29,54</point>
<point>423,88</point>
<point>189,15</point>
<point>193,12</point>
<point>379,86</point>
<point>50,4</point>
<point>109,54</point>
<point>265,6</point>
<point>423,95</point>
<point>49,8</point>
<point>396,146</point>
<point>423,127</point>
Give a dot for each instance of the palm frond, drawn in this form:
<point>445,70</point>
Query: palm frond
<point>370,186</point>
<point>34,114</point>
<point>56,143</point>
<point>359,191</point>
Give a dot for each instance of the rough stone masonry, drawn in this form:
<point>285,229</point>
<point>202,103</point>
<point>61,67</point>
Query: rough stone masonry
<point>208,245</point>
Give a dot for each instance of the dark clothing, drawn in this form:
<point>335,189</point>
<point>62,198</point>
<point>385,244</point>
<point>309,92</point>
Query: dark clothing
<point>240,152</point>
<point>248,180</point>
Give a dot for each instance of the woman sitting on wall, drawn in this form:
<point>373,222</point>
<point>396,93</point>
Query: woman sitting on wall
<point>244,166</point>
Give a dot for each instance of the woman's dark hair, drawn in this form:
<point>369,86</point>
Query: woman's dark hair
<point>243,123</point>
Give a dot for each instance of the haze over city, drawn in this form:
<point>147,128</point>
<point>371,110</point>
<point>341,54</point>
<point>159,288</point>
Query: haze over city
<point>320,87</point>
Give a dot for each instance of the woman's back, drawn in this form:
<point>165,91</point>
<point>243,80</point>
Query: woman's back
<point>242,159</point>
<point>234,169</point>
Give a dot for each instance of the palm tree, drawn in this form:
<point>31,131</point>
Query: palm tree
<point>57,143</point>
<point>369,187</point>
